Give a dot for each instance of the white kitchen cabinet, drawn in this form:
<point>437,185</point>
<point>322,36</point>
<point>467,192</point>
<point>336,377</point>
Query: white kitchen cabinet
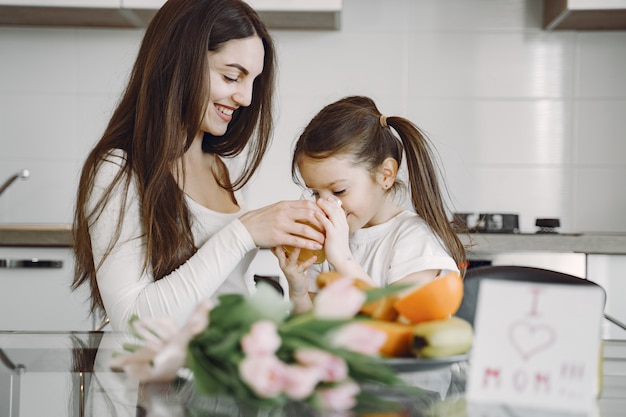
<point>36,297</point>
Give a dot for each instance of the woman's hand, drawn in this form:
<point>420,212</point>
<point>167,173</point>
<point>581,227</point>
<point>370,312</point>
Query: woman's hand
<point>283,224</point>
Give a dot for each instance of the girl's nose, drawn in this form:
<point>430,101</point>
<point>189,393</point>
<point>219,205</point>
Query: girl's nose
<point>324,194</point>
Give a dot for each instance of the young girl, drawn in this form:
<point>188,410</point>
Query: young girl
<point>348,158</point>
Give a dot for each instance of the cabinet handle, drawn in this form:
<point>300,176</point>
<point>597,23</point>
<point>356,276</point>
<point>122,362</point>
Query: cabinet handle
<point>33,263</point>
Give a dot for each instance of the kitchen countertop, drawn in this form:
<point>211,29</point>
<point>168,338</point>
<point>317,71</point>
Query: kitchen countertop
<point>60,235</point>
<point>589,243</point>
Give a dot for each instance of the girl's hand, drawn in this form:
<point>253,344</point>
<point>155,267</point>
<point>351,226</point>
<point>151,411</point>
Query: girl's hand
<point>295,272</point>
<point>336,246</point>
<point>283,224</point>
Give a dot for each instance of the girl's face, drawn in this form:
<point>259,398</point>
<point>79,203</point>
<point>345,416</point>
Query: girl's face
<point>362,195</point>
<point>232,70</point>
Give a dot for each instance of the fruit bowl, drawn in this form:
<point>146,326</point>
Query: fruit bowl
<point>423,364</point>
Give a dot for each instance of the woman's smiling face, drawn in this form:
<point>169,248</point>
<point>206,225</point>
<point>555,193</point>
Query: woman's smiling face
<point>232,71</point>
<point>362,196</point>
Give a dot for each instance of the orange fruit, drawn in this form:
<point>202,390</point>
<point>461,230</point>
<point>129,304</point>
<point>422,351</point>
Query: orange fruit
<point>435,300</point>
<point>327,277</point>
<point>399,339</point>
<point>381,309</point>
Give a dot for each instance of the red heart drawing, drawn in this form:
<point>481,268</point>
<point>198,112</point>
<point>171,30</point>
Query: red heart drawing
<point>529,339</point>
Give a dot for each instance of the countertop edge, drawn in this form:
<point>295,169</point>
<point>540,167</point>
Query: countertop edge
<point>613,244</point>
<point>60,235</point>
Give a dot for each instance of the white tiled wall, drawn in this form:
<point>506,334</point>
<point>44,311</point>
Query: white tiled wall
<point>525,121</point>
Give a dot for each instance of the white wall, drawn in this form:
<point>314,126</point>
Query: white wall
<point>525,121</point>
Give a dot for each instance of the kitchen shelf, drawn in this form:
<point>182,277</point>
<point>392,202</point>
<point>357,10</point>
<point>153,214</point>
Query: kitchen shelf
<point>584,14</point>
<point>277,14</point>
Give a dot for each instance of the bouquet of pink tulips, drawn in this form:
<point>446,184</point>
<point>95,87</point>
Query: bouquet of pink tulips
<point>253,350</point>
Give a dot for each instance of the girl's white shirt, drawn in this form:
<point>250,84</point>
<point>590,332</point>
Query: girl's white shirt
<point>225,251</point>
<point>392,250</point>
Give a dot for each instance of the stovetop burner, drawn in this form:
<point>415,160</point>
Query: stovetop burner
<point>547,225</point>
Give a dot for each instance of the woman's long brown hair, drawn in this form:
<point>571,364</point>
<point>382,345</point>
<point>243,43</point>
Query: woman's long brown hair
<point>156,120</point>
<point>352,126</point>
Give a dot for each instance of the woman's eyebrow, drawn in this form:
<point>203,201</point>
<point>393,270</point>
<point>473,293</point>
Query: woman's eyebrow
<point>240,68</point>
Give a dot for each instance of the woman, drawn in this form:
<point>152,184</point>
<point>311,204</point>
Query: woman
<point>160,221</point>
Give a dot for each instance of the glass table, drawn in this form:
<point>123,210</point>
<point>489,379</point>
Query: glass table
<point>66,374</point>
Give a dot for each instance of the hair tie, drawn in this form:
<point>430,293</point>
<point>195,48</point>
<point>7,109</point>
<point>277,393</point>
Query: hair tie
<point>383,120</point>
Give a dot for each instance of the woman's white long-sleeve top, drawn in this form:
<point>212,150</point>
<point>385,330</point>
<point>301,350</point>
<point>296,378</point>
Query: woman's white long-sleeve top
<point>225,251</point>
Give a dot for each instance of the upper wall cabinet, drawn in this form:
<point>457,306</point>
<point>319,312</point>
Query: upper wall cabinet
<point>584,14</point>
<point>277,14</point>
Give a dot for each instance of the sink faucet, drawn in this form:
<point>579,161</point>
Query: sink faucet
<point>22,175</point>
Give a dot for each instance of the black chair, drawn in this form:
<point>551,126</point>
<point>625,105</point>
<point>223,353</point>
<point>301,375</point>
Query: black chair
<point>471,284</point>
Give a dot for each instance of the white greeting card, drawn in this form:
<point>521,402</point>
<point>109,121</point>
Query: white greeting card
<point>536,345</point>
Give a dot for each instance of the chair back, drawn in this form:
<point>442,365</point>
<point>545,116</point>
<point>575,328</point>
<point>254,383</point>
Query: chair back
<point>471,282</point>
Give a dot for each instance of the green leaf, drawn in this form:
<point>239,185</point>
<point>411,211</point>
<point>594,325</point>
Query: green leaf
<point>201,368</point>
<point>131,347</point>
<point>234,311</point>
<point>364,367</point>
<point>228,312</point>
<point>225,345</point>
<point>131,324</point>
<point>269,304</point>
<point>374,294</point>
<point>214,376</point>
<point>310,323</point>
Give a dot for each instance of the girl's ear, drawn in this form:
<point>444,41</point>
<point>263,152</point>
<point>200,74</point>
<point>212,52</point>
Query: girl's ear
<point>387,173</point>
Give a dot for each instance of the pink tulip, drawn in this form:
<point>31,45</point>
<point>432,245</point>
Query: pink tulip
<point>166,350</point>
<point>300,381</point>
<point>265,375</point>
<point>198,320</point>
<point>331,368</point>
<point>139,366</point>
<point>338,398</point>
<point>359,338</point>
<point>262,339</point>
<point>154,332</point>
<point>339,300</point>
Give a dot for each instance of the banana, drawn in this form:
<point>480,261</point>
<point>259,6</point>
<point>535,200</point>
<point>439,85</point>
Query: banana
<point>441,338</point>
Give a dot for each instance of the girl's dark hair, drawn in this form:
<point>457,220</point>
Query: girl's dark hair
<point>155,123</point>
<point>352,126</point>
